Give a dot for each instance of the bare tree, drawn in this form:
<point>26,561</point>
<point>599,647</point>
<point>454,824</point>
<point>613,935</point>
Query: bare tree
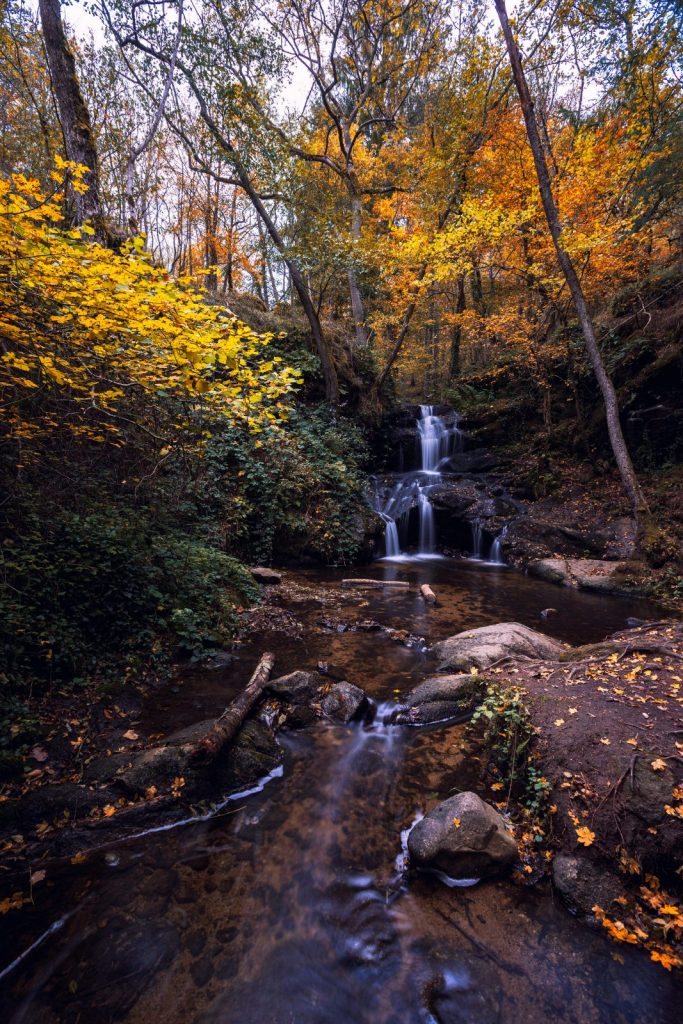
<point>79,140</point>
<point>616,435</point>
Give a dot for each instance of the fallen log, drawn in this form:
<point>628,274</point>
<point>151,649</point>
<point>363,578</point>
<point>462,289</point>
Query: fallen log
<point>428,594</point>
<point>225,727</point>
<point>378,584</point>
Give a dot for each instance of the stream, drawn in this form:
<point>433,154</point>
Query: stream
<point>292,905</point>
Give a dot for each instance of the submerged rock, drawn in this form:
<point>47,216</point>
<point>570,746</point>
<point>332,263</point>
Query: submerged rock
<point>463,836</point>
<point>479,648</point>
<point>586,573</point>
<point>439,698</point>
<point>344,702</point>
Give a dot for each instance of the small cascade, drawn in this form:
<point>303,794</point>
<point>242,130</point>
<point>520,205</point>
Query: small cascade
<point>439,438</point>
<point>477,541</point>
<point>391,542</point>
<point>427,531</point>
<point>496,553</point>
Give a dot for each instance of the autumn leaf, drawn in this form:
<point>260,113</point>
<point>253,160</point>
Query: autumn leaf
<point>584,836</point>
<point>633,742</point>
<point>658,765</point>
<point>559,722</point>
<point>130,734</point>
<point>108,810</point>
<point>456,822</point>
<point>605,740</point>
<point>37,876</point>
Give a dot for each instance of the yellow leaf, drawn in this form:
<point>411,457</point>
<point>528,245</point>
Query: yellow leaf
<point>585,836</point>
<point>658,765</point>
<point>108,810</point>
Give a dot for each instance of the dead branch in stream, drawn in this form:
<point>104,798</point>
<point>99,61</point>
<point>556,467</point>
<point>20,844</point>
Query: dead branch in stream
<point>225,727</point>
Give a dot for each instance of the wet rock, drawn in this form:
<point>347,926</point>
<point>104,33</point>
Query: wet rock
<point>222,659</point>
<point>479,648</point>
<point>253,754</point>
<point>582,884</point>
<point>297,687</point>
<point>265,576</point>
<point>464,837</point>
<point>344,702</point>
<point>300,717</point>
<point>51,801</point>
<point>157,766</point>
<point>586,573</point>
<point>439,698</point>
<point>333,671</point>
<point>531,537</point>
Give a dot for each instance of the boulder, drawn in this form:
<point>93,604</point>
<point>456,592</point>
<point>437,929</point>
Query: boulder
<point>586,573</point>
<point>296,687</point>
<point>464,837</point>
<point>343,702</point>
<point>479,648</point>
<point>252,755</point>
<point>582,884</point>
<point>439,698</point>
<point>265,576</point>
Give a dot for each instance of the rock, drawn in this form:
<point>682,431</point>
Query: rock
<point>344,702</point>
<point>582,884</point>
<point>530,537</point>
<point>586,573</point>
<point>265,576</point>
<point>296,687</point>
<point>464,837</point>
<point>252,755</point>
<point>51,802</point>
<point>439,698</point>
<point>327,668</point>
<point>158,767</point>
<point>222,659</point>
<point>620,538</point>
<point>479,648</point>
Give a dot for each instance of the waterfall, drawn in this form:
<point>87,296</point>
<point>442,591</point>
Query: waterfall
<point>426,525</point>
<point>477,540</point>
<point>496,553</point>
<point>438,441</point>
<point>391,542</point>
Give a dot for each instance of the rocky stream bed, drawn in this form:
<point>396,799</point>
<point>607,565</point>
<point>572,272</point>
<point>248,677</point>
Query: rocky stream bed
<point>281,888</point>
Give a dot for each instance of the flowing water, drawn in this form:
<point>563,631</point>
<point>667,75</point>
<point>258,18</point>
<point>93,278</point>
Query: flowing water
<point>439,438</point>
<point>292,905</point>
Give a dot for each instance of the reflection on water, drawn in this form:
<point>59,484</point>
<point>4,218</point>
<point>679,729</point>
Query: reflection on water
<point>292,904</point>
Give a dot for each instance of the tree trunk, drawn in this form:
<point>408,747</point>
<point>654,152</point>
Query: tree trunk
<point>225,727</point>
<point>357,308</point>
<point>616,436</point>
<point>456,334</point>
<point>79,140</point>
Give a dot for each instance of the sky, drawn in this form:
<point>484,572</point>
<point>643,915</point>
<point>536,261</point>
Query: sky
<point>294,93</point>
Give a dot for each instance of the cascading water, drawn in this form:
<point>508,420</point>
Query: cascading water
<point>438,439</point>
<point>496,553</point>
<point>477,541</point>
